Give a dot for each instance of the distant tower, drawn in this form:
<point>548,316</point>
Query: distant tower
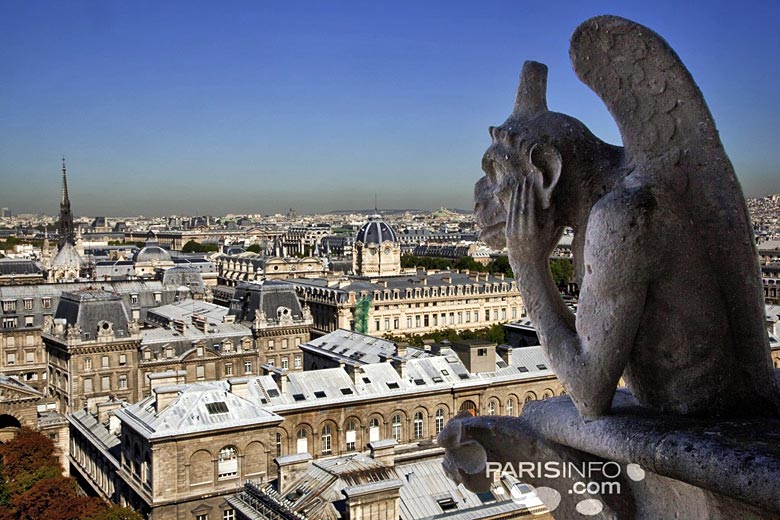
<point>66,216</point>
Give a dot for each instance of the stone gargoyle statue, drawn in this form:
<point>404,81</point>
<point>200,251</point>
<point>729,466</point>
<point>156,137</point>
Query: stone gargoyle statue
<point>670,286</point>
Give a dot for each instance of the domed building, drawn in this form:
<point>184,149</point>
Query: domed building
<point>150,258</point>
<point>377,251</point>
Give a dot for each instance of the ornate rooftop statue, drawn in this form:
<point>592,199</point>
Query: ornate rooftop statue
<point>671,296</point>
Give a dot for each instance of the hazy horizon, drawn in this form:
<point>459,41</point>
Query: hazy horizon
<point>193,108</point>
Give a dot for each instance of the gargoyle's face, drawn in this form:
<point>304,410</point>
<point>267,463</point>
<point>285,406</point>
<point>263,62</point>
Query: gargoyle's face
<point>490,214</point>
<point>492,192</point>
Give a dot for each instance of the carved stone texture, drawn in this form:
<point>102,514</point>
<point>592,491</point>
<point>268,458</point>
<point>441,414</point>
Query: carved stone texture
<point>671,295</point>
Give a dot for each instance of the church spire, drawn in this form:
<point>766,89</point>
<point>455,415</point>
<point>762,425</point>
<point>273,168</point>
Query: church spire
<point>65,199</point>
<point>66,216</point>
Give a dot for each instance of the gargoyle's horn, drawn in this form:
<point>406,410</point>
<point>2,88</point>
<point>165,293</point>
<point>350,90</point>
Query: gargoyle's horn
<point>532,93</point>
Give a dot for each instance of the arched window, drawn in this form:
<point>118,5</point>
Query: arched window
<point>327,440</point>
<point>137,461</point>
<point>510,406</point>
<point>373,430</point>
<point>491,408</point>
<point>469,406</point>
<point>547,393</point>
<point>418,425</point>
<point>278,444</point>
<point>397,428</point>
<point>351,435</point>
<point>530,396</point>
<point>227,466</point>
<point>439,420</point>
<point>302,445</point>
<point>148,469</point>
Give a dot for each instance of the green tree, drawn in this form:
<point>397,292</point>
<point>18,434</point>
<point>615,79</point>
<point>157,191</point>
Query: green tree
<point>254,248</point>
<point>562,270</point>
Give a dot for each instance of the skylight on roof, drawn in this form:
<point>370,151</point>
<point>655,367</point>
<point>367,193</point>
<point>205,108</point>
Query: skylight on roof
<point>522,369</point>
<point>273,392</point>
<point>217,407</point>
<point>299,397</point>
<point>437,379</point>
<point>319,394</point>
<point>445,373</point>
<point>541,366</point>
<point>392,385</point>
<point>419,381</point>
<point>346,391</point>
<point>366,380</point>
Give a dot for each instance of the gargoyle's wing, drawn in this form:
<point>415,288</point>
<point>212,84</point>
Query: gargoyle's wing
<point>671,139</point>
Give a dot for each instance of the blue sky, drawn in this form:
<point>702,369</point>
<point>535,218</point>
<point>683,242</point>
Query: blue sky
<point>255,107</point>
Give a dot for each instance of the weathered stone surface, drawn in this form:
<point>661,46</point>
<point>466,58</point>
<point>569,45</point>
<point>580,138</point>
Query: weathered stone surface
<point>671,295</point>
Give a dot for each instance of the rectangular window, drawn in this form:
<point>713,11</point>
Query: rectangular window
<point>376,325</point>
<point>9,306</point>
<point>123,382</point>
<point>105,383</point>
<point>9,323</point>
<point>200,372</point>
<point>514,313</point>
<point>285,362</point>
<point>503,314</point>
<point>28,304</point>
<point>88,363</point>
<point>88,386</point>
<point>10,342</point>
<point>297,361</point>
<point>29,340</point>
<point>10,358</point>
<point>46,303</point>
<point>409,322</point>
<point>460,318</point>
<point>228,369</point>
<point>271,345</point>
<point>297,341</point>
<point>29,357</point>
<point>202,517</point>
<point>157,297</point>
<point>395,323</point>
<point>133,299</point>
<point>122,359</point>
<point>270,362</point>
<point>387,323</point>
<point>285,343</point>
<point>247,367</point>
<point>104,362</point>
<point>136,314</point>
<point>229,514</point>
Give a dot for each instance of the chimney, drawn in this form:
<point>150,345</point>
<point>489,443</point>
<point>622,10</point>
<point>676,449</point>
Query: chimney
<point>289,468</point>
<point>239,386</point>
<point>105,407</point>
<point>179,326</point>
<point>167,378</point>
<point>505,351</point>
<point>164,396</point>
<point>383,451</point>
<point>400,348</point>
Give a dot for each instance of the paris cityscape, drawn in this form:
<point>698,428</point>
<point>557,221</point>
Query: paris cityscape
<point>222,304</point>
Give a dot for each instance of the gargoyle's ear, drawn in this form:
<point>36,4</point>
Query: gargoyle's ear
<point>546,159</point>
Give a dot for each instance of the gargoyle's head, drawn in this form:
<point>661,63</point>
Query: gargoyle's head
<point>532,142</point>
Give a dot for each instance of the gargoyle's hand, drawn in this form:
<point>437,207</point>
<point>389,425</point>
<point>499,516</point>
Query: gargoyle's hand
<point>465,459</point>
<point>531,232</point>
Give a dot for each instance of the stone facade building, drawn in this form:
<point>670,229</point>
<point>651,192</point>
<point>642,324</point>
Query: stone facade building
<point>180,452</point>
<point>377,250</point>
<point>415,303</point>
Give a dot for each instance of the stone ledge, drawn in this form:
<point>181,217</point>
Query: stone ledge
<point>739,459</point>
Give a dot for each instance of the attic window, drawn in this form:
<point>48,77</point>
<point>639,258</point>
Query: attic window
<point>522,369</point>
<point>366,380</point>
<point>463,376</point>
<point>217,407</point>
<point>299,397</point>
<point>541,366</point>
<point>346,391</point>
<point>392,385</point>
<point>437,379</point>
<point>445,373</point>
<point>419,381</point>
<point>263,400</point>
<point>273,392</point>
<point>447,504</point>
<point>319,394</point>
